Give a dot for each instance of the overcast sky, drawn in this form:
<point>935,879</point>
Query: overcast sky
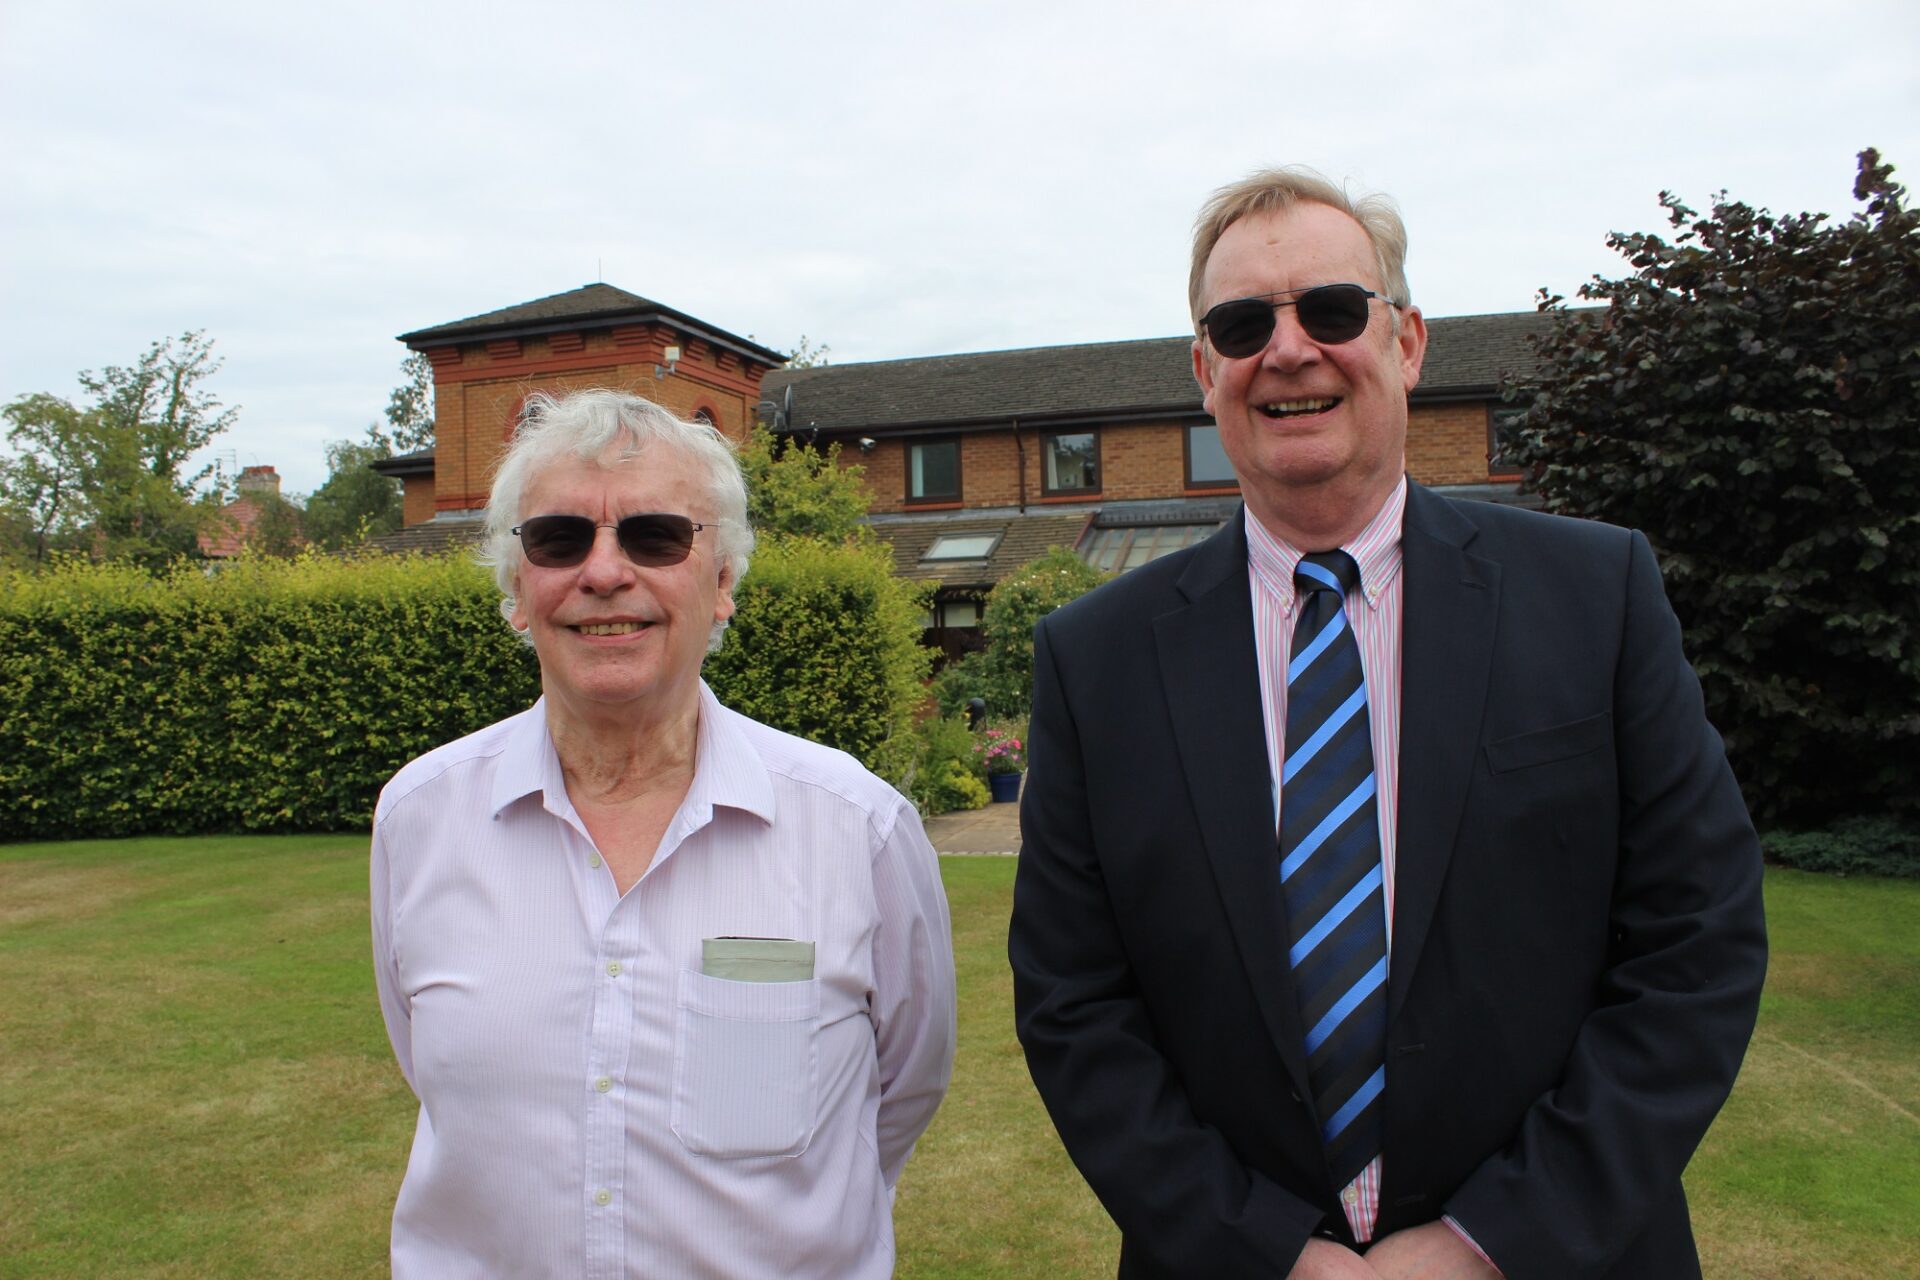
<point>305,182</point>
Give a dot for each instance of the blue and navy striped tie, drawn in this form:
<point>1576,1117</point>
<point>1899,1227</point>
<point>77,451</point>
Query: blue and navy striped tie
<point>1330,869</point>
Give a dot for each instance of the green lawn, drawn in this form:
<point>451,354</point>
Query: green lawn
<point>194,1081</point>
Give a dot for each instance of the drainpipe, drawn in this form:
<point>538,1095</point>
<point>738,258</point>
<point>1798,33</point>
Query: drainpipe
<point>1020,452</point>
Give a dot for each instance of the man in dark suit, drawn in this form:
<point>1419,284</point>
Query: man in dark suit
<point>1386,906</point>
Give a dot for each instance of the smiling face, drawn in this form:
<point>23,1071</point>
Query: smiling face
<point>615,638</point>
<point>1308,427</point>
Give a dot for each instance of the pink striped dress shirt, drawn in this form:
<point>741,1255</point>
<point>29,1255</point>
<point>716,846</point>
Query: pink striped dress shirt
<point>1376,629</point>
<point>1375,619</point>
<point>592,1104</point>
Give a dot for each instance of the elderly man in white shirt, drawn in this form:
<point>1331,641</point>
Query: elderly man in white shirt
<point>675,989</point>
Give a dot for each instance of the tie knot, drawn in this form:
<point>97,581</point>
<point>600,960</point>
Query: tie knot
<point>1332,571</point>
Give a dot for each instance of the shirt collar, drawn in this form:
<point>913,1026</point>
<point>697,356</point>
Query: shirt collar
<point>1375,549</point>
<point>727,770</point>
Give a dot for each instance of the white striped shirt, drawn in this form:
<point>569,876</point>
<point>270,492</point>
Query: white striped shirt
<point>1376,629</point>
<point>592,1104</point>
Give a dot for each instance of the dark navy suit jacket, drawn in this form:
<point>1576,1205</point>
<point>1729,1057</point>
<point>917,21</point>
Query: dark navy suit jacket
<point>1578,943</point>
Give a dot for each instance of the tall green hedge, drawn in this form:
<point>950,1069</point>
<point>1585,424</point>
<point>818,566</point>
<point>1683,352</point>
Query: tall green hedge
<point>825,643</point>
<point>280,696</point>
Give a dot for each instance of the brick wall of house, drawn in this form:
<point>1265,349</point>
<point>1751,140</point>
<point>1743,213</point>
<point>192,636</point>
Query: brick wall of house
<point>416,499</point>
<point>1447,443</point>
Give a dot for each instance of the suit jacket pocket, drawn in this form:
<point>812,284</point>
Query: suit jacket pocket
<point>744,1066</point>
<point>1556,742</point>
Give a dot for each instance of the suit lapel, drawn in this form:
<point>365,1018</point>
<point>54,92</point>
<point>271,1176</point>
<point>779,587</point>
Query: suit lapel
<point>1451,602</point>
<point>1212,682</point>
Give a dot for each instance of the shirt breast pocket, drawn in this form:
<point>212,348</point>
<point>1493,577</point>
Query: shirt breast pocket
<point>744,1066</point>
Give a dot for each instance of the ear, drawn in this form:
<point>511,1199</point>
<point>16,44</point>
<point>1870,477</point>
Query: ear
<point>1203,373</point>
<point>723,601</point>
<point>518,618</point>
<point>1413,346</point>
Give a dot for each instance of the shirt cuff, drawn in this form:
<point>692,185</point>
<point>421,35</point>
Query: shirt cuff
<point>1469,1241</point>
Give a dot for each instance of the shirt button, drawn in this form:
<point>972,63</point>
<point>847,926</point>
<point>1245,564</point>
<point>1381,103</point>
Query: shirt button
<point>613,970</point>
<point>1350,1197</point>
<point>603,1197</point>
<point>594,861</point>
<point>603,1084</point>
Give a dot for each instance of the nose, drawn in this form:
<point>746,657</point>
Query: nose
<point>1289,347</point>
<point>606,567</point>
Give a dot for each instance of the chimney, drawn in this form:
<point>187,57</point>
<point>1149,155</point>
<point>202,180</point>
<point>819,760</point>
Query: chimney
<point>259,480</point>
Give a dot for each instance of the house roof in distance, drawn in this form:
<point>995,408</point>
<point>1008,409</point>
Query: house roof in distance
<point>597,305</point>
<point>1103,381</point>
<point>429,537</point>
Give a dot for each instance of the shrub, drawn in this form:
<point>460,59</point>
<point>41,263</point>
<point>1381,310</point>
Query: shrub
<point>272,696</point>
<point>1747,399</point>
<point>826,644</point>
<point>1879,846</point>
<point>938,781</point>
<point>280,695</point>
<point>947,787</point>
<point>1003,673</point>
<point>794,491</point>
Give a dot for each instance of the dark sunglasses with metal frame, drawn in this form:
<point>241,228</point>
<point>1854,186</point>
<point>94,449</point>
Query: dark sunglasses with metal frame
<point>1330,313</point>
<point>653,539</point>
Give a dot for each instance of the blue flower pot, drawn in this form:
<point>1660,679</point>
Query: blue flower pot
<point>1005,787</point>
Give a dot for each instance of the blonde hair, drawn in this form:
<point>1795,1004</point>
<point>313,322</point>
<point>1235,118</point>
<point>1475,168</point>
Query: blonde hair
<point>1270,191</point>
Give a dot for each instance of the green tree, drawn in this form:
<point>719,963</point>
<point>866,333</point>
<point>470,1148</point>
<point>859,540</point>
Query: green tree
<point>410,407</point>
<point>278,529</point>
<point>809,356</point>
<point>1002,673</point>
<point>160,403</point>
<point>44,488</point>
<point>1748,400</point>
<point>356,502</point>
<point>109,479</point>
<point>797,491</point>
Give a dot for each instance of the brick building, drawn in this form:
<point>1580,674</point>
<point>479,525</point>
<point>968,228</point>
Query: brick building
<point>236,524</point>
<point>977,462</point>
<point>485,366</point>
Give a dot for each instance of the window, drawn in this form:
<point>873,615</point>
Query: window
<point>1207,464</point>
<point>957,613</point>
<point>1070,462</point>
<point>961,546</point>
<point>1502,421</point>
<point>1113,550</point>
<point>933,471</point>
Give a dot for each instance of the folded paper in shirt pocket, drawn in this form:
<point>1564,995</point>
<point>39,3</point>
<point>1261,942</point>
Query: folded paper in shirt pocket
<point>756,959</point>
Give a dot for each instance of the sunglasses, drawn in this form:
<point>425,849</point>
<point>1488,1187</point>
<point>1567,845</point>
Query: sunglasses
<point>1331,314</point>
<point>653,540</point>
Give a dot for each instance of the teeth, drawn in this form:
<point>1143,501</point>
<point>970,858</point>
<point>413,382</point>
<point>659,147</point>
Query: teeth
<point>609,628</point>
<point>1300,406</point>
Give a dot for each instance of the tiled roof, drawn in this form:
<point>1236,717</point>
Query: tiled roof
<point>1467,354</point>
<point>1102,380</point>
<point>1022,537</point>
<point>601,304</point>
<point>429,537</point>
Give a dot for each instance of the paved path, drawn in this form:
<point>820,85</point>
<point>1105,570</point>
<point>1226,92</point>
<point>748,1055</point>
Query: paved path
<point>989,832</point>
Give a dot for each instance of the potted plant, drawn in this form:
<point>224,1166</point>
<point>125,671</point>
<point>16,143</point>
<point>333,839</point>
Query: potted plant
<point>1003,758</point>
